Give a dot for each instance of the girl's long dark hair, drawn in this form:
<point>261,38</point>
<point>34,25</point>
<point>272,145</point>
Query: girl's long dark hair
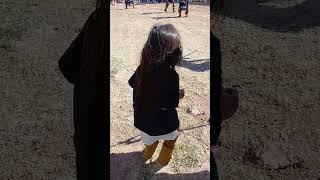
<point>162,49</point>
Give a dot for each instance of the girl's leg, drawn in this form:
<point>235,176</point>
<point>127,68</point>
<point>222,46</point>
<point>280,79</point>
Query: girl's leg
<point>149,150</point>
<point>166,152</point>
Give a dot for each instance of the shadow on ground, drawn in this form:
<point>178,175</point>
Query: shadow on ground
<point>199,65</point>
<point>131,166</point>
<point>165,17</point>
<point>154,13</point>
<point>294,18</point>
<point>128,141</point>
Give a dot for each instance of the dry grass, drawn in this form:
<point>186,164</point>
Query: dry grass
<point>185,156</point>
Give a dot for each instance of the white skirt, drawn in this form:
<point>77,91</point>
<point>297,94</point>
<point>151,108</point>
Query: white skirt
<point>148,140</point>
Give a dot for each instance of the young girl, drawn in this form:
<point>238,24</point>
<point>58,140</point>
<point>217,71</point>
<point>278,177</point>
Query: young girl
<point>129,2</point>
<point>156,91</point>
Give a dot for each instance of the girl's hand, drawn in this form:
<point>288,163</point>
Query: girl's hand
<point>181,93</point>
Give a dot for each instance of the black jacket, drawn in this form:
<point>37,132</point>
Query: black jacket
<point>158,121</point>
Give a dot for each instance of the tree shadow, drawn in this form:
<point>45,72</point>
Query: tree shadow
<point>165,17</point>
<point>294,18</point>
<point>199,65</point>
<point>159,12</point>
<point>131,166</point>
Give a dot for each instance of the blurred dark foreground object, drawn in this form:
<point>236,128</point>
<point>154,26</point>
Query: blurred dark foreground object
<point>225,100</point>
<point>216,89</point>
<point>83,64</point>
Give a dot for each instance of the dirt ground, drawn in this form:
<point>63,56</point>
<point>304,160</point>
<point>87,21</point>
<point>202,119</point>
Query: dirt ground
<point>129,30</point>
<point>36,124</point>
<point>272,51</point>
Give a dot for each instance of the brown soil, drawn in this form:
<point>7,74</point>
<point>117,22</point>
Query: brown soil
<point>36,124</point>
<point>272,52</point>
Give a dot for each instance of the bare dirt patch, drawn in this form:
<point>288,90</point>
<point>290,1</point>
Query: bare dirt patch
<point>272,53</point>
<point>36,125</point>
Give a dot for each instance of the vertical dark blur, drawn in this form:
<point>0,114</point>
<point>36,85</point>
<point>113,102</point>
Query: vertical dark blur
<point>90,98</point>
<point>215,87</point>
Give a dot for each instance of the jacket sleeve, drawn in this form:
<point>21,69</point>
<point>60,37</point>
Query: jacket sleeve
<point>69,63</point>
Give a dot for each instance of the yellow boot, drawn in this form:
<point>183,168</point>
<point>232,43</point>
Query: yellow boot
<point>149,150</point>
<point>166,152</point>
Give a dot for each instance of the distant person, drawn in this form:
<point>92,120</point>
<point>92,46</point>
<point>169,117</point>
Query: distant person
<point>183,6</point>
<point>167,5</point>
<point>83,65</point>
<point>156,91</point>
<point>128,3</point>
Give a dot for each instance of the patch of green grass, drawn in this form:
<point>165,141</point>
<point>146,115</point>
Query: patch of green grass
<point>184,156</point>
